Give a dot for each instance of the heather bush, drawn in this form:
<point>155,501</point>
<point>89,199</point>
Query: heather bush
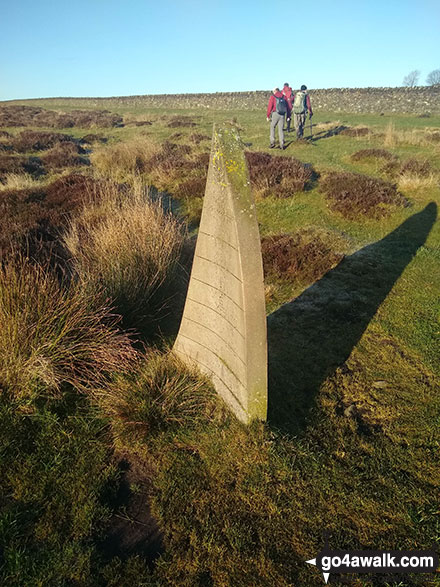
<point>278,176</point>
<point>65,154</point>
<point>373,154</point>
<point>303,256</point>
<point>30,140</point>
<point>354,195</point>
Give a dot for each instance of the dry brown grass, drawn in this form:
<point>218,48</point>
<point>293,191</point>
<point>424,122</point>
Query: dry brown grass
<point>123,161</point>
<point>127,244</point>
<point>51,335</point>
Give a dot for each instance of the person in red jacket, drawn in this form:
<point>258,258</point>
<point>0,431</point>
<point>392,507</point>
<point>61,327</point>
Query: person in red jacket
<point>300,106</point>
<point>288,94</point>
<point>276,110</point>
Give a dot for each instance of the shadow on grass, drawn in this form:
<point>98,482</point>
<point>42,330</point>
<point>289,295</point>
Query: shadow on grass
<point>311,336</point>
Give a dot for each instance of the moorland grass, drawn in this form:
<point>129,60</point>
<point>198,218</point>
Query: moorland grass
<point>351,444</point>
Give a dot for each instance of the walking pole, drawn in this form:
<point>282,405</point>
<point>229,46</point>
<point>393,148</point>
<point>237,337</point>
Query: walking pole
<point>311,128</point>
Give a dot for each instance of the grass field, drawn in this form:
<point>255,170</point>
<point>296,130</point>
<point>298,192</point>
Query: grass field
<point>136,474</point>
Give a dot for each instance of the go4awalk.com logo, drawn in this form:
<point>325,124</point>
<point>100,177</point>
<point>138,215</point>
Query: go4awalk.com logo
<point>374,561</point>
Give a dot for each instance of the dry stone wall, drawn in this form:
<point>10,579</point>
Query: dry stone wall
<point>417,100</point>
<point>223,328</point>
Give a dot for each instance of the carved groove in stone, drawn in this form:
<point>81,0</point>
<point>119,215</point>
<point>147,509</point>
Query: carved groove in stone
<point>223,327</point>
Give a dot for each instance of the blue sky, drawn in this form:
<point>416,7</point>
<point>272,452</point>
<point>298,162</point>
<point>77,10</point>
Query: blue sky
<point>129,47</point>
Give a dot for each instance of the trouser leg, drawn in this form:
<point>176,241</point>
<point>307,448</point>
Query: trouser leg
<point>300,120</point>
<point>273,123</point>
<point>280,123</point>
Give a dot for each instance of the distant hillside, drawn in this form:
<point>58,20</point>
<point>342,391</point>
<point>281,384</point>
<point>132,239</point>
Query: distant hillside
<point>417,100</point>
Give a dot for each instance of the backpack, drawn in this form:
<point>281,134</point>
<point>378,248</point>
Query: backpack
<point>281,106</point>
<point>299,104</point>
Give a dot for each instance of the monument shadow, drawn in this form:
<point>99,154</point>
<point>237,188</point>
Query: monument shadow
<point>311,336</point>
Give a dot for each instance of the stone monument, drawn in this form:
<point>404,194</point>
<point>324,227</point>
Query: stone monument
<point>223,328</point>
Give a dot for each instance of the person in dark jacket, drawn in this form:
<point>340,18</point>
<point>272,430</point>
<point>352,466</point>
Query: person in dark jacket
<point>300,107</point>
<point>275,115</point>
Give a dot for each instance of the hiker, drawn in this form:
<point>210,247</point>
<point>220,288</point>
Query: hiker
<point>276,110</point>
<point>287,93</point>
<point>300,106</point>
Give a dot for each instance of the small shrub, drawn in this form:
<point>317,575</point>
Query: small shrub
<point>165,394</point>
<point>353,195</point>
<point>303,256</point>
<point>197,138</point>
<point>192,188</point>
<point>373,154</point>
<point>360,131</point>
<point>181,121</point>
<point>51,335</point>
<point>278,176</point>
<point>418,167</point>
<point>63,155</point>
<point>30,140</point>
<point>31,116</point>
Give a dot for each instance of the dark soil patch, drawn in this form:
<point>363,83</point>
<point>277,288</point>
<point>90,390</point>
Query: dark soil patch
<point>133,530</point>
<point>356,132</point>
<point>354,195</point>
<point>277,176</point>
<point>303,256</point>
<point>32,116</point>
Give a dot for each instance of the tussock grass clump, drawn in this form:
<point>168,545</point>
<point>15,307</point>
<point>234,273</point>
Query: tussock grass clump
<point>354,195</point>
<point>277,176</point>
<point>18,181</point>
<point>127,244</point>
<point>373,154</point>
<point>303,256</point>
<point>51,335</point>
<point>164,394</point>
<point>121,162</point>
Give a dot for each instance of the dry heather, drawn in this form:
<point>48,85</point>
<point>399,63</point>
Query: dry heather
<point>51,336</point>
<point>373,154</point>
<point>32,116</point>
<point>303,257</point>
<point>62,155</point>
<point>126,244</point>
<point>354,195</point>
<point>18,164</point>
<point>181,121</point>
<point>30,140</point>
<point>277,176</point>
<point>357,131</point>
<point>31,219</point>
